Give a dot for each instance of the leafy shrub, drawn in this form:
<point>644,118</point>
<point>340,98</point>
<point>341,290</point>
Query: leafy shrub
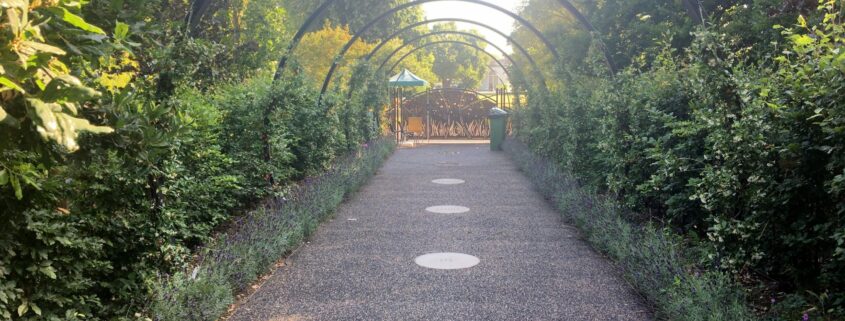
<point>739,153</point>
<point>654,259</point>
<point>259,239</point>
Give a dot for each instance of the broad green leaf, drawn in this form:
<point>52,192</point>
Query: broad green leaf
<point>4,179</point>
<point>35,308</point>
<point>8,83</point>
<point>802,40</point>
<point>67,88</point>
<point>840,62</point>
<point>16,186</point>
<point>49,271</point>
<point>54,125</point>
<point>121,31</point>
<point>23,308</point>
<point>14,21</point>
<point>75,20</point>
<point>802,22</point>
<point>37,46</point>
<point>42,114</point>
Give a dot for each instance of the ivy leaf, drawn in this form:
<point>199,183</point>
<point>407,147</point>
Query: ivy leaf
<point>75,20</point>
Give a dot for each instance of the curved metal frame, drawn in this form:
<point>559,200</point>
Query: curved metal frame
<point>396,64</point>
<point>390,12</point>
<point>427,22</point>
<point>510,39</point>
<point>496,59</point>
<point>297,38</point>
<point>462,33</point>
<point>322,8</point>
<point>421,23</point>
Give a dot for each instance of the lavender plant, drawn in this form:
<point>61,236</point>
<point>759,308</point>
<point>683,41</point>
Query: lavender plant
<point>235,260</point>
<point>653,259</point>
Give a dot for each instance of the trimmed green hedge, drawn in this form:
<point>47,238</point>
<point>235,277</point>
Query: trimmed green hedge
<point>235,260</point>
<point>744,159</point>
<point>94,240</point>
<point>654,259</point>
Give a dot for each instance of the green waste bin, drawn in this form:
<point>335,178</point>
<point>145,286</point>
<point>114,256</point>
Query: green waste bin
<point>498,127</point>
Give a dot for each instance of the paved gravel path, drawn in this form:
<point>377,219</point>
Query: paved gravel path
<point>360,266</point>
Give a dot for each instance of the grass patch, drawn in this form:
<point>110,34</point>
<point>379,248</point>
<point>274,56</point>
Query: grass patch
<point>233,261</point>
<point>654,259</point>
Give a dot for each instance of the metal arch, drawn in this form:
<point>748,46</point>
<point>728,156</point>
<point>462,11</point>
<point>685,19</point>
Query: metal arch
<point>417,24</point>
<point>390,12</point>
<point>412,41</point>
<point>590,28</point>
<point>496,59</point>
<point>332,69</point>
<point>477,93</point>
<point>426,22</point>
<point>693,9</point>
<point>298,36</point>
<point>393,67</point>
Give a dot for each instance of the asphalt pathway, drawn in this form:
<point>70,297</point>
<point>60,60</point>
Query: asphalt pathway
<point>360,265</point>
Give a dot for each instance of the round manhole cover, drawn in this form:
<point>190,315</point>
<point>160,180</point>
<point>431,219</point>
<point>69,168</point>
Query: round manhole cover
<point>447,261</point>
<point>448,181</point>
<point>447,209</point>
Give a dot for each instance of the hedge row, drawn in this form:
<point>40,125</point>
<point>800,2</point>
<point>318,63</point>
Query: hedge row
<point>111,221</point>
<point>743,158</point>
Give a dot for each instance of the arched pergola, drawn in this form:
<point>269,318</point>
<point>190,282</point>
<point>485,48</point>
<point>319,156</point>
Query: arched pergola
<point>465,34</point>
<point>439,42</point>
<point>693,8</point>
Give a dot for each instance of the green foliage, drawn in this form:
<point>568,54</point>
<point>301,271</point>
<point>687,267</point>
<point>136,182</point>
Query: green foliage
<point>90,224</point>
<point>262,237</point>
<point>458,65</point>
<point>654,259</point>
<point>731,138</point>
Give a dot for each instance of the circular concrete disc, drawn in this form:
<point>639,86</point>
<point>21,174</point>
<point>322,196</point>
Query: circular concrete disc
<point>447,261</point>
<point>448,181</point>
<point>447,209</point>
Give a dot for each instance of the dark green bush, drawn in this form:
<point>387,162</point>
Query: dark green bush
<point>742,154</point>
<point>114,217</point>
<point>654,259</point>
<point>238,258</point>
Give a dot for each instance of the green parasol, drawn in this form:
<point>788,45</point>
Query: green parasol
<point>407,79</point>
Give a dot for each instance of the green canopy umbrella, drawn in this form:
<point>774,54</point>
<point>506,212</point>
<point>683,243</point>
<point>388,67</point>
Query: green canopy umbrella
<point>407,79</point>
<point>404,79</point>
